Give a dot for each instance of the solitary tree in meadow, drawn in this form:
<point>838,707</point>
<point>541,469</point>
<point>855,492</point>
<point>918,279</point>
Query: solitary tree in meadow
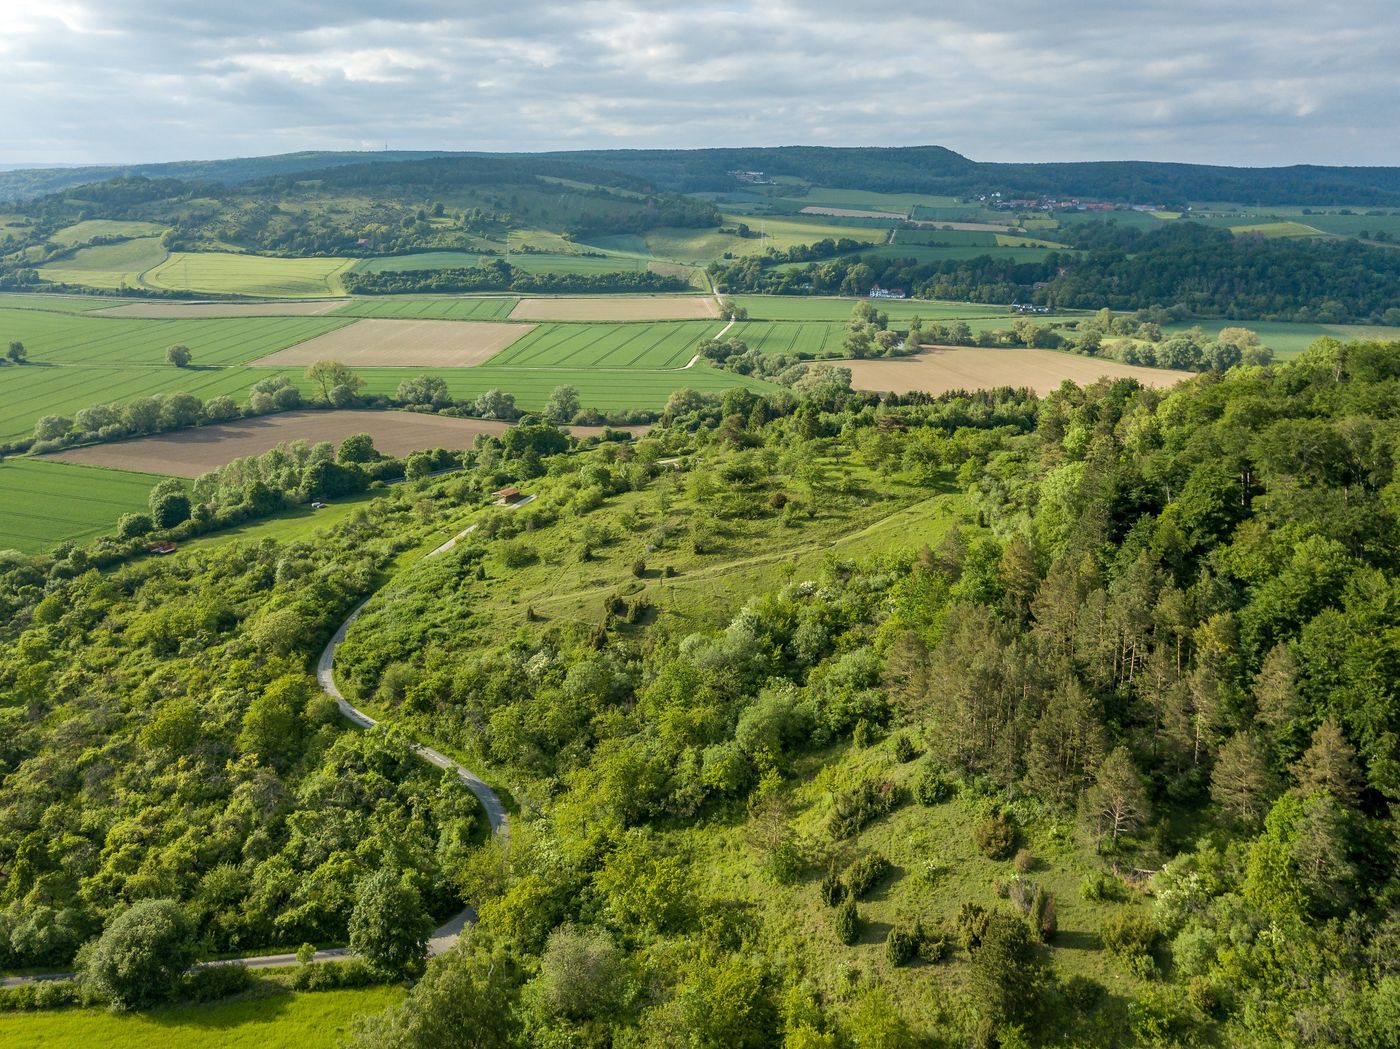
<point>16,353</point>
<point>178,355</point>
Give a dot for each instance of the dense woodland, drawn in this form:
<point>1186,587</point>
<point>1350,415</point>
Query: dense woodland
<point>1160,639</point>
<point>1207,272</point>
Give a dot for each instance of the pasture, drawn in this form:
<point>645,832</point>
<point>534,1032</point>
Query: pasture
<point>89,229</point>
<point>606,346</point>
<point>973,368</point>
<point>377,342</point>
<point>430,308</point>
<point>282,1021</point>
<point>45,503</point>
<point>113,266</point>
<point>617,308</point>
<point>224,273</point>
<point>189,453</point>
<point>56,338</point>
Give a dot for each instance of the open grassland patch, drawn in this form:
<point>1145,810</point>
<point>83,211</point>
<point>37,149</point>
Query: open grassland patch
<point>1277,230</point>
<point>430,308</point>
<point>189,453</point>
<point>1288,339</point>
<point>617,308</point>
<point>607,346</point>
<point>975,368</point>
<point>699,246</point>
<point>224,273</point>
<point>377,342</point>
<point>108,265</point>
<point>56,338</point>
<point>90,229</point>
<point>291,1021</point>
<point>161,310</point>
<point>44,503</point>
<point>53,303</point>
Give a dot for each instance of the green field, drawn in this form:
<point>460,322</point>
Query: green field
<point>1287,339</point>
<point>816,338</point>
<point>1276,230</point>
<point>55,303</point>
<point>430,307</point>
<point>425,260</point>
<point>108,265</point>
<point>699,246</point>
<point>223,273</point>
<point>88,229</point>
<point>635,345</point>
<point>293,1021</point>
<point>43,503</point>
<point>56,338</point>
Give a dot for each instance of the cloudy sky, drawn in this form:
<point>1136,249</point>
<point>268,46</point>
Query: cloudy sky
<point>1225,81</point>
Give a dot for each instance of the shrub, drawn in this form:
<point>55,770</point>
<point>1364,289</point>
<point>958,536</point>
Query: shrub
<point>1081,992</point>
<point>1098,886</point>
<point>932,787</point>
<point>330,976</point>
<point>1131,937</point>
<point>45,994</point>
<point>1024,861</point>
<point>131,526</point>
<point>833,889</point>
<point>863,875</point>
<point>972,925</point>
<point>209,983</point>
<point>934,946</point>
<point>863,734</point>
<point>995,836</point>
<point>862,805</point>
<point>1203,994</point>
<point>846,922</point>
<point>901,945</point>
<point>904,749</point>
<point>1021,893</point>
<point>141,955</point>
<point>639,568</point>
<point>1041,915</point>
<point>518,554</point>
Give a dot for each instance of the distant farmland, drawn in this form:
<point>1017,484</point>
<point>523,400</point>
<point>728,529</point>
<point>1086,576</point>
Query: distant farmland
<point>375,342</point>
<point>430,307</point>
<point>606,346</point>
<point>972,368</point>
<point>44,503</point>
<point>221,273</point>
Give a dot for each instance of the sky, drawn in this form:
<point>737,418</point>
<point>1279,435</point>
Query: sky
<point>1244,82</point>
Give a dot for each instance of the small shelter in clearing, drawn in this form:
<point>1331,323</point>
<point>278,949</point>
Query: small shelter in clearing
<point>164,546</point>
<point>507,496</point>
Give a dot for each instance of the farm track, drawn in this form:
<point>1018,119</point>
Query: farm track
<point>447,934</point>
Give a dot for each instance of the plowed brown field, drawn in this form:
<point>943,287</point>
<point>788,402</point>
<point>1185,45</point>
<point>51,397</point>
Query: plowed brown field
<point>973,368</point>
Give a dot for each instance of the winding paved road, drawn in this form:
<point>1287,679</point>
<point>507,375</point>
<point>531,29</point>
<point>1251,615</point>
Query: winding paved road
<point>447,934</point>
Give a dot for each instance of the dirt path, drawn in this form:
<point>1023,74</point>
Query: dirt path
<point>448,933</point>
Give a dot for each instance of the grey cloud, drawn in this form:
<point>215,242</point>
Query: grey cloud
<point>1249,82</point>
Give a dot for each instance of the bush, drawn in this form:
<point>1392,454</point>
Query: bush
<point>862,805</point>
<point>141,956</point>
<point>901,945</point>
<point>904,749</point>
<point>934,946</point>
<point>209,983</point>
<point>863,875</point>
<point>846,922</point>
<point>330,976</point>
<point>972,925</point>
<point>833,889</point>
<point>932,787</point>
<point>1082,993</point>
<point>1024,861</point>
<point>518,554</point>
<point>132,526</point>
<point>46,994</point>
<point>1132,937</point>
<point>1041,915</point>
<point>1098,886</point>
<point>995,837</point>
<point>639,568</point>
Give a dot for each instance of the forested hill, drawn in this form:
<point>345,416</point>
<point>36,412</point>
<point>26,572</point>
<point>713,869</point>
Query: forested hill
<point>922,169</point>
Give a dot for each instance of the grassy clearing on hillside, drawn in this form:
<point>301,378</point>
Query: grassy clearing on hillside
<point>82,232</point>
<point>1288,339</point>
<point>223,273</point>
<point>108,265</point>
<point>44,503</point>
<point>53,338</point>
<point>430,307</point>
<point>293,1021</point>
<point>699,246</point>
<point>606,346</point>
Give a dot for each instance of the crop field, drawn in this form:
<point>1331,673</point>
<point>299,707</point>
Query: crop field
<point>375,342</point>
<point>189,453</point>
<point>972,368</point>
<point>223,273</point>
<point>425,260</point>
<point>1288,339</point>
<point>617,308</point>
<point>56,338</point>
<point>815,338</point>
<point>851,213</point>
<point>1276,230</point>
<point>562,263</point>
<point>606,346</point>
<point>286,1021</point>
<point>44,503</point>
<point>699,246</point>
<point>108,265</point>
<point>161,310</point>
<point>430,308</point>
<point>53,303</point>
<point>823,308</point>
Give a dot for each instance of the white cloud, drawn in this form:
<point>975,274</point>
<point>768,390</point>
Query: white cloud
<point>1252,82</point>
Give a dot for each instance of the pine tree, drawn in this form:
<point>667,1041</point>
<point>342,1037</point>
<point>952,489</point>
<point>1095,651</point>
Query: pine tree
<point>1117,803</point>
<point>1242,783</point>
<point>1329,764</point>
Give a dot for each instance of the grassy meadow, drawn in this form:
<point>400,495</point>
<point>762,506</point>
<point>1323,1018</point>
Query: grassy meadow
<point>285,1021</point>
<point>224,273</point>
